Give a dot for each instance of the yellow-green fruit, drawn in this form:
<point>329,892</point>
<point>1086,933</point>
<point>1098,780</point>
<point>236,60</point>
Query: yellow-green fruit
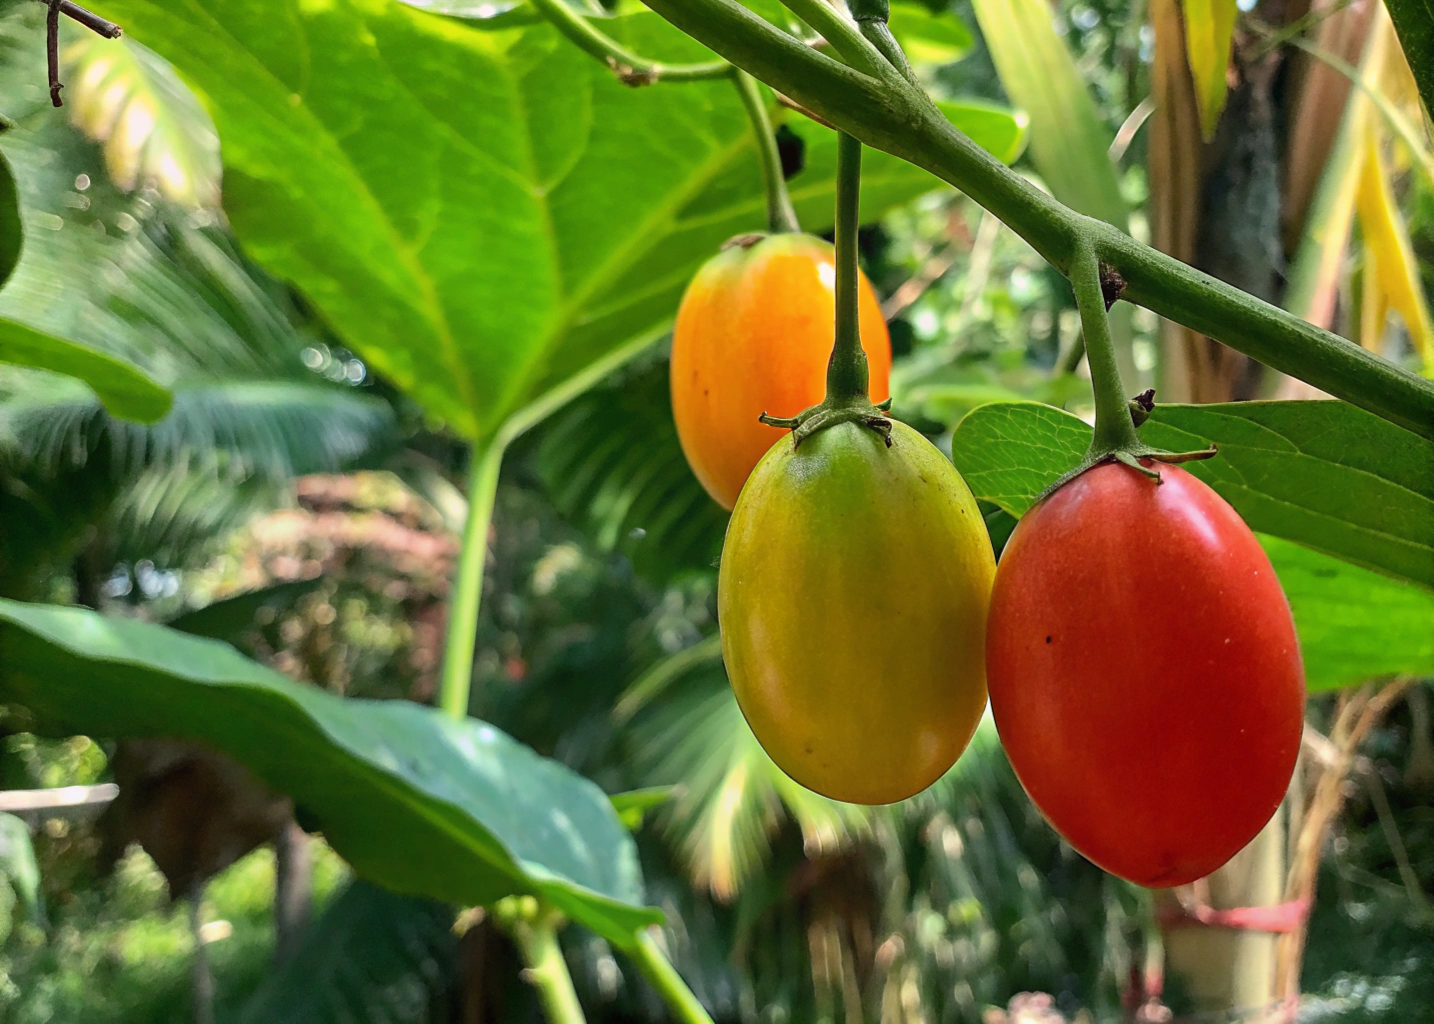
<point>852,600</point>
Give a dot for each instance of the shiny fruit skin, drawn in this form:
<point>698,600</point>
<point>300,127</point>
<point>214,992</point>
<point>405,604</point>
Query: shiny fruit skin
<point>852,599</point>
<point>1145,673</point>
<point>753,335</point>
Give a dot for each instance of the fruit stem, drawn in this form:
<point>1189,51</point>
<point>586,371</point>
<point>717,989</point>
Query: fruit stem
<point>534,928</point>
<point>1114,429</point>
<point>781,216</point>
<point>847,374</point>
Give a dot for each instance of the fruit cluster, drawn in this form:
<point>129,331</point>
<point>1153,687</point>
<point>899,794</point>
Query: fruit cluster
<point>1142,664</point>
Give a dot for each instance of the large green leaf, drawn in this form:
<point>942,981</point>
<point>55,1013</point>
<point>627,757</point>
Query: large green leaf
<point>415,801</point>
<point>1353,624</point>
<point>477,207</point>
<point>1324,474</point>
<point>928,37</point>
<point>373,956</point>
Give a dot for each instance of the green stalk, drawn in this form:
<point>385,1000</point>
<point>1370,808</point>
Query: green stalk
<point>1114,429</point>
<point>781,216</point>
<point>545,969</point>
<point>887,112</point>
<point>633,69</point>
<point>847,374</point>
<point>669,984</point>
<point>468,584</point>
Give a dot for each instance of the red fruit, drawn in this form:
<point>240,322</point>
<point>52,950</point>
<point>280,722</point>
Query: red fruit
<point>1144,673</point>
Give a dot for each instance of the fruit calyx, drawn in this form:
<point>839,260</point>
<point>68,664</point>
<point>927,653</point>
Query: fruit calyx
<point>861,411</point>
<point>1129,450</point>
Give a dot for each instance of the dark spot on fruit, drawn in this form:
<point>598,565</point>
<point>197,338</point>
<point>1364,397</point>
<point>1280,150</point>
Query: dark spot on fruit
<point>1048,639</point>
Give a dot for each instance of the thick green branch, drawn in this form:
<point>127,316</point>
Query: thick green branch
<point>630,67</point>
<point>895,116</point>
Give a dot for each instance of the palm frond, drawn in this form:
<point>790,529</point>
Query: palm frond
<point>613,466</point>
<point>730,797</point>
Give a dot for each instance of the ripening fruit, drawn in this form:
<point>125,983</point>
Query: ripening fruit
<point>753,335</point>
<point>1145,674</point>
<point>852,599</point>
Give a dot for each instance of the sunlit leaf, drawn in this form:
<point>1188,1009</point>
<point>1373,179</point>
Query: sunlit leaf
<point>1388,242</point>
<point>154,132</point>
<point>415,801</point>
<point>928,37</point>
<point>1209,26</point>
<point>478,208</point>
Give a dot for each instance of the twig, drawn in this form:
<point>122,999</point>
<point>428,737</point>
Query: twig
<point>74,12</point>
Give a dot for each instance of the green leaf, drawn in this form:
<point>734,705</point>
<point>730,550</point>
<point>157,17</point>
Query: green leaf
<point>373,956</point>
<point>416,802</point>
<point>124,390</point>
<point>928,37</point>
<point>1354,624</point>
<point>153,130</point>
<point>1069,141</point>
<point>1323,474</point>
<point>1209,25</point>
<point>477,207</point>
<point>998,130</point>
<point>1414,23</point>
<point>12,231</point>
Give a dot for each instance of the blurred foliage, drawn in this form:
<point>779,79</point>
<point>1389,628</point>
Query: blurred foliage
<point>782,907</point>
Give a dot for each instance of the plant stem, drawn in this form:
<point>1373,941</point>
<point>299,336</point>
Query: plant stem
<point>1113,426</point>
<point>781,217</point>
<point>631,68</point>
<point>840,31</point>
<point>468,583</point>
<point>669,984</point>
<point>545,969</point>
<point>887,112</point>
<point>847,375</point>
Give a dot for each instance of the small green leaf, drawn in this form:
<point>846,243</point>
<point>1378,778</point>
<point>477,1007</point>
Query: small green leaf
<point>1209,25</point>
<point>124,390</point>
<point>928,37</point>
<point>416,802</point>
<point>1326,475</point>
<point>632,806</point>
<point>1354,624</point>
